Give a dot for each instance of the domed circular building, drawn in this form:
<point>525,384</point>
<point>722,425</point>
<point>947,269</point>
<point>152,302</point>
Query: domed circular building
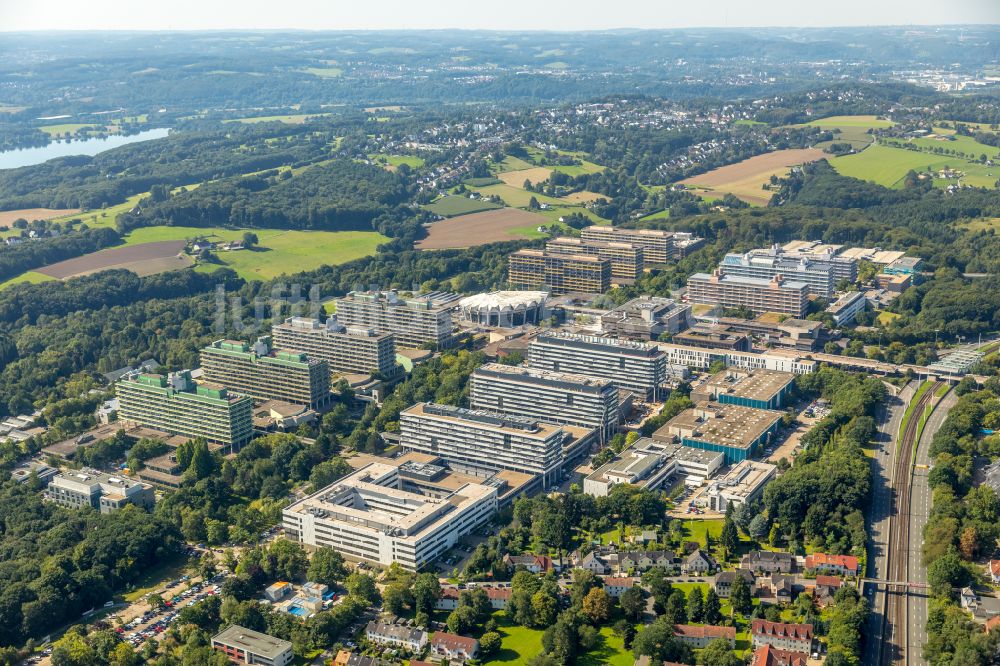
<point>504,309</point>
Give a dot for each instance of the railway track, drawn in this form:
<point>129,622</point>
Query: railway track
<point>895,615</point>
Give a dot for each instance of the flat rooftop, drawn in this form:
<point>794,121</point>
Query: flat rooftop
<point>677,451</point>
<point>744,478</point>
<point>720,333</point>
<point>753,385</point>
<point>749,281</point>
<point>599,343</point>
<point>631,463</point>
<point>731,426</point>
<point>253,641</point>
<point>482,418</point>
<point>874,255</point>
<point>540,376</point>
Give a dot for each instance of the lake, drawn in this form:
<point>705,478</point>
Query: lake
<point>11,159</point>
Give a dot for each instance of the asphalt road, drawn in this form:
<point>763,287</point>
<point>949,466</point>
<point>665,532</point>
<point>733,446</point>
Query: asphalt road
<point>920,504</point>
<point>889,418</point>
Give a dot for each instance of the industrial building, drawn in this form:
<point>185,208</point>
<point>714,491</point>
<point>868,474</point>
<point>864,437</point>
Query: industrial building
<point>557,273</point>
<point>368,516</point>
<point>758,295</point>
<point>738,432</point>
<point>247,646</point>
<point>626,259</point>
<point>414,320</point>
<point>760,389</point>
<point>701,359</point>
<point>635,366</point>
<point>265,373</point>
<point>105,492</point>
<point>346,349</point>
<point>178,405</point>
<point>481,442</point>
<point>743,484</point>
<point>503,309</point>
<point>554,397</point>
<point>646,318</point>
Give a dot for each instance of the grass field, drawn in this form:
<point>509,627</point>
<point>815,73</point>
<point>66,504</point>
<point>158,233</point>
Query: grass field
<point>291,119</point>
<point>851,121</point>
<point>31,277</point>
<point>886,318</point>
<point>745,179</point>
<point>888,166</point>
<point>696,530</point>
<point>520,644</point>
<point>516,178</point>
<point>516,197</point>
<point>393,161</point>
<point>71,128</point>
<point>325,72</point>
<point>455,205</point>
<point>952,141</point>
<point>583,197</point>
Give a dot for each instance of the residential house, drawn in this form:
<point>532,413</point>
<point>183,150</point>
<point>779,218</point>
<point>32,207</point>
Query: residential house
<point>792,637</point>
<point>616,586</point>
<point>700,635</point>
<point>724,582</point>
<point>448,600</point>
<point>699,562</point>
<point>646,560</point>
<point>533,563</point>
<point>777,588</point>
<point>592,562</point>
<point>826,588</point>
<point>499,596</point>
<point>770,656</point>
<point>994,570</point>
<point>835,565</point>
<point>396,635</point>
<point>453,646</point>
<point>982,608</point>
<point>767,561</point>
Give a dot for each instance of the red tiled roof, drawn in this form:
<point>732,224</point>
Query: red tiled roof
<point>770,656</point>
<point>498,592</point>
<point>453,642</point>
<point>815,560</point>
<point>795,631</point>
<point>992,623</point>
<point>704,631</point>
<point>995,567</point>
<point>449,592</point>
<point>613,581</point>
<point>828,581</point>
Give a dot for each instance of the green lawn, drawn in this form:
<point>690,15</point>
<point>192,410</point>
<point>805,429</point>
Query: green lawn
<point>455,205</point>
<point>516,197</point>
<point>659,215</point>
<point>59,130</point>
<point>411,161</point>
<point>30,277</point>
<point>888,166</point>
<point>519,644</point>
<point>963,144</point>
<point>695,530</point>
<point>510,163</point>
<point>850,121</point>
<point>610,650</point>
<point>291,119</point>
<point>155,578</point>
<point>325,72</point>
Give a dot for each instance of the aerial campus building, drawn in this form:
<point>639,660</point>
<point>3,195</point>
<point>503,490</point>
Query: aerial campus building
<point>374,515</point>
<point>554,397</point>
<point>105,492</point>
<point>738,432</point>
<point>758,295</point>
<point>702,358</point>
<point>658,247</point>
<point>247,646</point>
<point>178,405</point>
<point>648,464</point>
<point>346,349</point>
<point>646,318</point>
<point>265,373</point>
<point>635,366</point>
<point>743,484</point>
<point>558,273</point>
<point>760,389</point>
<point>503,309</point>
<point>626,259</point>
<point>481,442</point>
<point>414,321</point>
<point>767,264</point>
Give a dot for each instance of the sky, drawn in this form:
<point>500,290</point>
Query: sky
<point>17,15</point>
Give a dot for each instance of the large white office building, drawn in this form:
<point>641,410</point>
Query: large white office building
<point>481,442</point>
<point>369,516</point>
<point>414,320</point>
<point>701,358</point>
<point>635,366</point>
<point>766,264</point>
<point>555,397</point>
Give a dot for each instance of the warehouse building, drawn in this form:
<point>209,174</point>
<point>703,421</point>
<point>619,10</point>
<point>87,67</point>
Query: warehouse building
<point>760,389</point>
<point>646,318</point>
<point>414,321</point>
<point>554,397</point>
<point>758,295</point>
<point>481,442</point>
<point>367,516</point>
<point>635,366</point>
<point>105,492</point>
<point>738,432</point>
<point>265,373</point>
<point>178,405</point>
<point>557,273</point>
<point>345,349</point>
<point>626,259</point>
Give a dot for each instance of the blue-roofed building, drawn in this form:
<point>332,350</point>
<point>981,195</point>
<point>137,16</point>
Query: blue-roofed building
<point>735,431</point>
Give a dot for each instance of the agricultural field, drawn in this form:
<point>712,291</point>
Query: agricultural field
<point>66,128</point>
<point>325,72</point>
<point>517,197</point>
<point>142,259</point>
<point>456,205</point>
<point>391,162</point>
<point>948,140</point>
<point>516,178</point>
<point>31,277</point>
<point>851,121</point>
<point>481,228</point>
<point>583,197</point>
<point>7,217</point>
<point>888,166</point>
<point>745,179</point>
<point>291,119</point>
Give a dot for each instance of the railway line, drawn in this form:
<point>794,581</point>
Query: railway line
<point>895,611</point>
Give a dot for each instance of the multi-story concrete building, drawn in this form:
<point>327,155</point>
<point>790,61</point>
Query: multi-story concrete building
<point>658,247</point>
<point>760,389</point>
<point>554,397</point>
<point>367,516</point>
<point>265,373</point>
<point>346,349</point>
<point>642,468</point>
<point>176,404</point>
<point>738,432</point>
<point>626,259</point>
<point>767,264</point>
<point>843,267</point>
<point>730,291</point>
<point>847,307</point>
<point>247,646</point>
<point>635,366</point>
<point>481,442</point>
<point>702,359</point>
<point>743,484</point>
<point>713,336</point>
<point>105,492</point>
<point>414,320</point>
<point>646,318</point>
<point>558,274</point>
